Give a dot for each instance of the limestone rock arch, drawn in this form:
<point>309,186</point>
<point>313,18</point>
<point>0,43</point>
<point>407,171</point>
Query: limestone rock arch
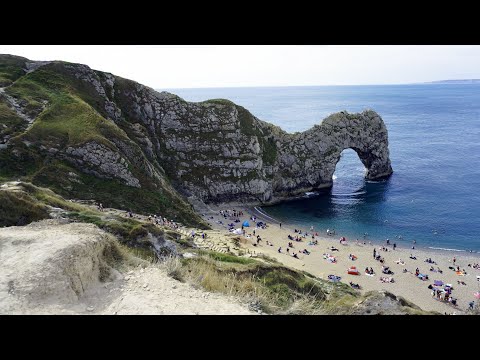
<point>309,161</point>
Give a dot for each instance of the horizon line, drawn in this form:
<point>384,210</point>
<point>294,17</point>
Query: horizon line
<point>434,82</point>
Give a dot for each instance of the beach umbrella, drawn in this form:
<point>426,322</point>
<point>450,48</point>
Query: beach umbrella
<point>246,224</point>
<point>438,283</point>
<point>477,295</point>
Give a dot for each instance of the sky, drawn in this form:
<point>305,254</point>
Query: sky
<point>194,66</point>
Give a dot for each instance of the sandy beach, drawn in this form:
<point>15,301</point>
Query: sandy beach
<point>405,284</point>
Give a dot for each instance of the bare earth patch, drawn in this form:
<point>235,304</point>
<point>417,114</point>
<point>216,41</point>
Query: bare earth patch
<point>53,268</point>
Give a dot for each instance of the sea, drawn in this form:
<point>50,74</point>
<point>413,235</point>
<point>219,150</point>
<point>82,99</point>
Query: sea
<point>433,196</point>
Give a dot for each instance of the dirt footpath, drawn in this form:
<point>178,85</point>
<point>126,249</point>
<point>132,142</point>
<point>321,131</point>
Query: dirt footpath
<point>50,267</point>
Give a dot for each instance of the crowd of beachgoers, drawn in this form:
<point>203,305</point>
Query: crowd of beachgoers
<point>299,245</point>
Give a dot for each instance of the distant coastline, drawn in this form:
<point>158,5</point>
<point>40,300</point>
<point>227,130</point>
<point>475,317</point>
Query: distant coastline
<point>455,81</point>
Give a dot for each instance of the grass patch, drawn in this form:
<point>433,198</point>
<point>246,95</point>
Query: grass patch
<point>128,231</point>
<point>112,193</point>
<point>17,209</point>
<point>121,258</point>
<point>11,68</point>
<point>249,127</point>
<point>10,123</point>
<point>29,203</point>
<point>230,258</point>
<point>225,102</point>
<point>272,288</point>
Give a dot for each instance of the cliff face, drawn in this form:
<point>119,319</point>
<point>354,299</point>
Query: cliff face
<point>90,125</point>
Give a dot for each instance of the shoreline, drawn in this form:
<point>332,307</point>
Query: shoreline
<point>418,247</point>
<point>406,284</point>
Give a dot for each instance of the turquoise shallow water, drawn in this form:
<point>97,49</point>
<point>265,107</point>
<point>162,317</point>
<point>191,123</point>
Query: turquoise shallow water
<point>433,196</point>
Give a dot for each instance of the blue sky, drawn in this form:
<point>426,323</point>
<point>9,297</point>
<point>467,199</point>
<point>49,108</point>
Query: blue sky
<point>161,66</point>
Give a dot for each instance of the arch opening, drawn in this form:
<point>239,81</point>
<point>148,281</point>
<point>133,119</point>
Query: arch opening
<point>348,179</point>
<point>349,165</point>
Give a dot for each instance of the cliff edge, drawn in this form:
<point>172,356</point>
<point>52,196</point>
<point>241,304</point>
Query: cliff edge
<point>91,134</point>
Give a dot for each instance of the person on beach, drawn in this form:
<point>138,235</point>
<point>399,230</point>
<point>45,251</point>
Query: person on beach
<point>280,225</point>
<point>280,249</point>
<point>374,253</point>
<point>394,246</point>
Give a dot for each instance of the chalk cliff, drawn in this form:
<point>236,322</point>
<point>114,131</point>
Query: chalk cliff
<point>85,132</point>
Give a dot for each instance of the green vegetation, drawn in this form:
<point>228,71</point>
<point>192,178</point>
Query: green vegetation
<point>276,289</point>
<point>23,203</point>
<point>269,150</point>
<point>111,193</point>
<point>10,122</point>
<point>272,288</point>
<point>11,68</point>
<point>247,127</point>
<point>218,101</point>
<point>84,124</point>
<point>69,112</point>
<point>230,258</point>
<point>67,118</point>
<point>18,209</point>
<point>128,231</point>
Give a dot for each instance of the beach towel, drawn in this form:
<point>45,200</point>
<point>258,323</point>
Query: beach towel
<point>353,271</point>
<point>334,278</point>
<point>460,273</point>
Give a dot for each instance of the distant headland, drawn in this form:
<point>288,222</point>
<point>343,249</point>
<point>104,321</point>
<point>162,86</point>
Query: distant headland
<point>455,81</point>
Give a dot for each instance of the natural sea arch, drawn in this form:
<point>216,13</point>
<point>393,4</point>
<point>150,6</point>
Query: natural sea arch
<point>309,159</point>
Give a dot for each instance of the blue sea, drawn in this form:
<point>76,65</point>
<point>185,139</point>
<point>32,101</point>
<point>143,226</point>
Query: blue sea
<point>432,197</point>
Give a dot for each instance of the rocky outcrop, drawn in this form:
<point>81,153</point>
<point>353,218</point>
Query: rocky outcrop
<point>214,150</point>
<point>307,160</point>
<point>218,151</point>
<point>102,162</point>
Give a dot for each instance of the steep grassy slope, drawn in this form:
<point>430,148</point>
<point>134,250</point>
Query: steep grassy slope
<point>73,147</point>
<point>11,68</point>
